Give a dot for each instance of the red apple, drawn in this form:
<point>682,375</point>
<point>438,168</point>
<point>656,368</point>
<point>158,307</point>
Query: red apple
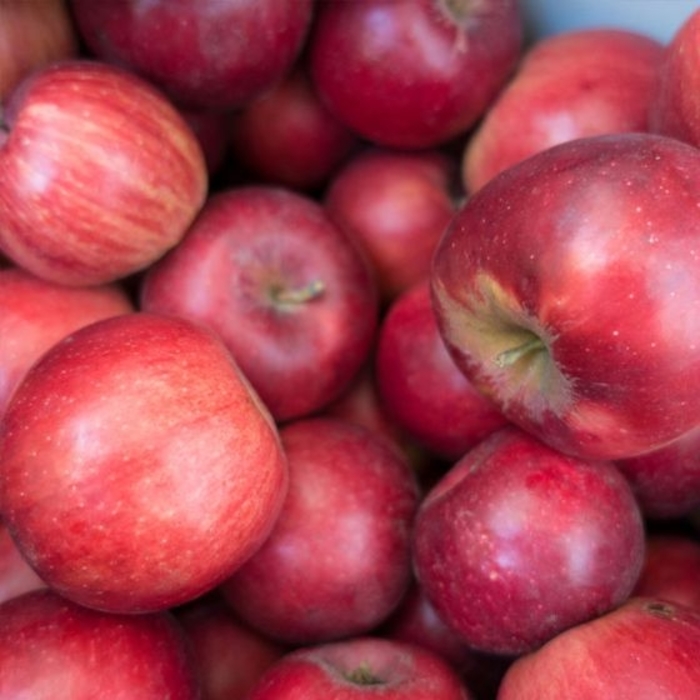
<point>564,89</point>
<point>518,542</point>
<point>16,576</point>
<point>287,291</point>
<point>413,74</point>
<point>395,205</point>
<point>99,174</point>
<point>35,314</point>
<point>203,53</point>
<point>647,648</point>
<point>420,385</point>
<point>141,437</point>
<point>338,560</point>
<point>566,289</point>
<point>358,668</point>
<point>52,648</point>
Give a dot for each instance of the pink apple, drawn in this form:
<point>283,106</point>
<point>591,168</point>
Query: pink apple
<point>203,53</point>
<point>420,385</point>
<point>647,648</point>
<point>413,74</point>
<point>52,648</point>
<point>395,205</point>
<point>35,314</point>
<point>559,286</point>
<point>518,542</point>
<point>142,438</point>
<point>359,668</point>
<point>564,89</point>
<point>290,295</point>
<point>99,174</point>
<point>16,576</point>
<point>338,560</point>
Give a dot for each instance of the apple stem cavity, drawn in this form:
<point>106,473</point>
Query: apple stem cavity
<point>299,295</point>
<point>362,675</point>
<point>509,357</point>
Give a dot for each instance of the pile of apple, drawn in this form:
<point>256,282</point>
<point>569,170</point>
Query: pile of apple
<point>347,349</point>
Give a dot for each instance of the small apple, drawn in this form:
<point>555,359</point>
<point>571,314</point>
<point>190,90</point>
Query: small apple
<point>142,438</point>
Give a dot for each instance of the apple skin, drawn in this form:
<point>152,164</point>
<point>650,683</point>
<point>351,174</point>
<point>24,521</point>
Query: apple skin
<point>412,75</point>
<point>338,560</point>
<point>287,291</point>
<point>575,333</point>
<point>504,577</point>
<point>564,89</point>
<point>52,648</point>
<point>647,648</point>
<point>361,667</point>
<point>99,174</point>
<point>204,54</point>
<point>35,314</point>
<point>16,576</point>
<point>141,436</point>
<point>395,205</point>
<point>421,387</point>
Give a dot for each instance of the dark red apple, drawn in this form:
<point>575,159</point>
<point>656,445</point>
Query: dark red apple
<point>52,648</point>
<point>338,560</point>
<point>396,206</point>
<point>647,648</point>
<point>99,174</point>
<point>142,438</point>
<point>565,87</point>
<point>358,668</point>
<point>518,542</point>
<point>203,53</point>
<point>16,576</point>
<point>567,290</point>
<point>413,74</point>
<point>288,292</point>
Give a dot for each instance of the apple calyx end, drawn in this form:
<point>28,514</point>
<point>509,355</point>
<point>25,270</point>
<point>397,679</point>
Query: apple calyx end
<point>362,675</point>
<point>299,295</point>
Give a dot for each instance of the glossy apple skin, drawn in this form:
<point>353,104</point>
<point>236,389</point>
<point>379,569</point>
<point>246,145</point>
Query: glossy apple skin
<point>361,667</point>
<point>203,53</point>
<point>140,435</point>
<point>288,292</point>
<point>100,175</point>
<point>35,314</point>
<point>646,648</point>
<point>503,575</point>
<point>412,75</point>
<point>52,648</point>
<point>420,385</point>
<point>564,89</point>
<point>16,576</point>
<point>588,250</point>
<point>338,560</point>
<point>395,205</point>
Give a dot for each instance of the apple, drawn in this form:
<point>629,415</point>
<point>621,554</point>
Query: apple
<point>36,313</point>
<point>51,647</point>
<point>565,88</point>
<point>99,174</point>
<point>16,576</point>
<point>286,290</point>
<point>647,648</point>
<point>32,35</point>
<point>413,75</point>
<point>395,205</point>
<point>338,560</point>
<point>361,667</point>
<point>202,53</point>
<point>518,542</point>
<point>558,288</point>
<point>287,136</point>
<point>421,387</point>
<point>142,438</point>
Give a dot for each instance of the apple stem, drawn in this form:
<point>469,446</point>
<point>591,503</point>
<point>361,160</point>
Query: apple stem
<point>511,356</point>
<point>300,295</point>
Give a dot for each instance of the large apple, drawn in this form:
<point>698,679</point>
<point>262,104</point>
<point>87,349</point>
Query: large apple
<point>518,542</point>
<point>99,174</point>
<point>567,290</point>
<point>413,74</point>
<point>139,469</point>
<point>288,292</point>
<point>52,648</point>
